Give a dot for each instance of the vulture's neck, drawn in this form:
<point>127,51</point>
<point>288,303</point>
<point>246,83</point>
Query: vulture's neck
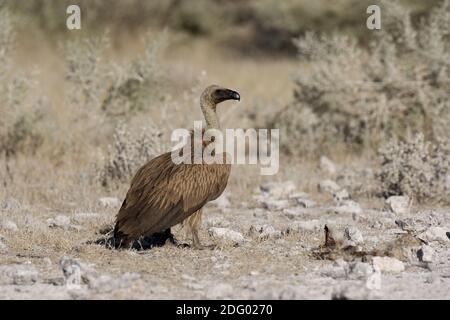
<point>209,112</point>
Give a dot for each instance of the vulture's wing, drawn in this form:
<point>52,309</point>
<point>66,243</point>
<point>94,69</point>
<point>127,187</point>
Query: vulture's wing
<point>162,194</point>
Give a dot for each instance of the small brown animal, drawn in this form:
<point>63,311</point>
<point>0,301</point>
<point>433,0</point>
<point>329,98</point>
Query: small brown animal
<point>163,194</point>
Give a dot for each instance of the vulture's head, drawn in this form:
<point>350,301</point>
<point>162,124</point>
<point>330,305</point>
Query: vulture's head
<point>215,94</point>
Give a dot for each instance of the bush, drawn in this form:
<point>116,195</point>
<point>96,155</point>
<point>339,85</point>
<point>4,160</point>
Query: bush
<point>358,97</point>
<point>417,168</point>
<point>116,89</point>
<point>128,153</point>
<point>19,117</point>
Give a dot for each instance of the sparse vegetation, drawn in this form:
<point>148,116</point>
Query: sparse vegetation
<point>417,168</point>
<point>128,153</point>
<point>359,98</point>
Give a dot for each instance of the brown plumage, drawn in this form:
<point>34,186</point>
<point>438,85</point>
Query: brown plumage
<point>163,194</point>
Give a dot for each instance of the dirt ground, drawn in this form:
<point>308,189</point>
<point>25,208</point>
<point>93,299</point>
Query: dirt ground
<point>271,247</point>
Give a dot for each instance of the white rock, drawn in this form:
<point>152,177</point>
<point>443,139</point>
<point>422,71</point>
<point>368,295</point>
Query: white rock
<point>438,234</point>
<point>299,195</point>
<point>294,213</point>
<point>109,202</point>
<point>3,247</point>
<point>359,270</point>
<point>305,203</point>
<point>398,204</point>
<point>265,231</point>
<point>260,213</point>
<point>8,225</point>
<point>10,204</point>
<point>219,291</point>
<point>349,206</point>
<point>227,235</point>
<point>60,221</point>
<point>352,236</point>
<point>72,272</point>
<point>329,186</point>
<point>18,274</point>
<point>222,202</point>
<point>308,225</point>
<point>278,189</point>
<point>326,165</point>
<point>426,253</point>
<point>341,195</point>
<point>274,205</point>
<point>387,264</point>
<point>338,270</point>
<point>83,216</point>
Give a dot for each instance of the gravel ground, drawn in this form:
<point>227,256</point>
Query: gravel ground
<point>272,247</point>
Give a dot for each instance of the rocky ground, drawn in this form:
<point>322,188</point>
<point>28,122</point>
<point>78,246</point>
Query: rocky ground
<point>281,244</point>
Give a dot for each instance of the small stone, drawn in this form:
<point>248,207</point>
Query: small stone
<point>348,206</point>
<point>438,234</point>
<point>327,166</point>
<point>387,264</point>
<point>8,225</point>
<point>195,286</point>
<point>188,277</point>
<point>265,232</point>
<point>60,221</point>
<point>341,195</point>
<point>3,247</point>
<point>109,202</point>
<point>83,216</point>
<point>328,186</point>
<point>278,189</point>
<point>274,205</point>
<point>398,204</point>
<point>294,213</point>
<point>425,253</point>
<point>227,235</point>
<point>18,274</point>
<point>360,270</point>
<point>72,272</point>
<point>260,213</point>
<point>299,195</point>
<point>305,203</point>
<point>308,225</point>
<point>352,237</point>
<point>10,204</point>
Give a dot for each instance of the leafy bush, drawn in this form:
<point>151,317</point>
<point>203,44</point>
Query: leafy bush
<point>417,168</point>
<point>358,98</point>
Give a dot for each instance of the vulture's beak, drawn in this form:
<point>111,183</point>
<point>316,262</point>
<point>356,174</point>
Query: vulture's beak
<point>233,95</point>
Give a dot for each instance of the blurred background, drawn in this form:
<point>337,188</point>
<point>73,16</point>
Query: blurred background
<point>82,109</point>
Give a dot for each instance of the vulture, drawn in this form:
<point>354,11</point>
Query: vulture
<point>163,194</point>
